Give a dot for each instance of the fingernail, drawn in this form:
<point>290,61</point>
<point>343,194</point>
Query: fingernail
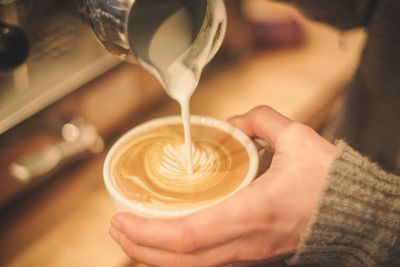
<point>116,224</point>
<point>115,234</point>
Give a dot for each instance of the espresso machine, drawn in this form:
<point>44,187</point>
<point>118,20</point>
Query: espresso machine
<point>45,53</point>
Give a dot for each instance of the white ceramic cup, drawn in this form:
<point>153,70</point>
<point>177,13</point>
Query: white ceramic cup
<point>121,203</point>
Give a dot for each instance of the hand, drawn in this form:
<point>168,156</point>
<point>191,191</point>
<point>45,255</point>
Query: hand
<point>263,221</point>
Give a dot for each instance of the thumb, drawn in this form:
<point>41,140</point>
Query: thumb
<point>263,122</point>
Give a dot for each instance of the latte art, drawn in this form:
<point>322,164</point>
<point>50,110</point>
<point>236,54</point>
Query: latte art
<point>169,172</point>
<point>151,167</point>
<point>173,162</point>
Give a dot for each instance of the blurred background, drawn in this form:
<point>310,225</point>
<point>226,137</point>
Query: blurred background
<point>64,100</point>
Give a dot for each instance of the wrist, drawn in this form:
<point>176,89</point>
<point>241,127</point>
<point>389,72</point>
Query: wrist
<point>357,215</point>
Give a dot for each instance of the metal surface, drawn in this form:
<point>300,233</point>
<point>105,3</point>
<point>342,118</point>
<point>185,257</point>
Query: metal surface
<point>63,56</point>
<point>126,27</point>
<point>112,21</point>
<point>78,138</point>
<point>108,20</point>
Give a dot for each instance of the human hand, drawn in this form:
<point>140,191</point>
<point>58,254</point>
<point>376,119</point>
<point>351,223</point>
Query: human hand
<point>263,221</point>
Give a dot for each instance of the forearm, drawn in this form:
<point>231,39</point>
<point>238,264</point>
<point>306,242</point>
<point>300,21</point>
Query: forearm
<point>343,14</point>
<point>357,222</point>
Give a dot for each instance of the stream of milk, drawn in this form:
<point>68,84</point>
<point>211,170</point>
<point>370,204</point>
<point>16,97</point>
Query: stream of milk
<point>177,61</point>
<point>179,81</point>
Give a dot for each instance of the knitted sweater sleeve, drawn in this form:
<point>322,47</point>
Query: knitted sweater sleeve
<point>357,221</point>
<point>342,14</point>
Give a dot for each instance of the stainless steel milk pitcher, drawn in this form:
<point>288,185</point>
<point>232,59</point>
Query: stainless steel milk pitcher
<point>126,27</point>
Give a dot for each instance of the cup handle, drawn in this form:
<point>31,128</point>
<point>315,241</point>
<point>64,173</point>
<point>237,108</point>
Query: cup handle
<point>265,154</point>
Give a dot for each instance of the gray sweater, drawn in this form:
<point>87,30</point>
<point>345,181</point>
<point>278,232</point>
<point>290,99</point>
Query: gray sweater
<point>357,221</point>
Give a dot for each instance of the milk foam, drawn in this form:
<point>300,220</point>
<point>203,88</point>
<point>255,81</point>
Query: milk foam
<point>178,50</point>
<point>169,171</point>
<point>172,165</point>
<point>179,81</point>
<point>150,168</point>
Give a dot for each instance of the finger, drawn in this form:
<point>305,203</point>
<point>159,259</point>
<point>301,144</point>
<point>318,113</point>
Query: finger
<point>263,122</point>
<point>209,227</point>
<point>213,256</point>
<point>156,257</point>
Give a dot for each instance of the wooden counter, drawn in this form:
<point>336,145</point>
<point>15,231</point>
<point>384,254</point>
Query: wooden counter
<point>300,82</point>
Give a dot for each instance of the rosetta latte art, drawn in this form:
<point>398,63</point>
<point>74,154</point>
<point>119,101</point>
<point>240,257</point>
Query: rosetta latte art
<point>169,171</point>
<point>173,163</point>
<point>151,168</point>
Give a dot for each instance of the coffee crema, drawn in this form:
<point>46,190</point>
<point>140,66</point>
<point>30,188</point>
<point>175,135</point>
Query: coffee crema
<point>150,168</point>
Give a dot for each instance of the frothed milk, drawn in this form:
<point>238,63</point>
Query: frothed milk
<point>149,168</point>
<point>167,56</point>
<point>159,168</point>
<point>175,47</point>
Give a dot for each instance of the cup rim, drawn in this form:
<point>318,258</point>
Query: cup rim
<point>144,211</point>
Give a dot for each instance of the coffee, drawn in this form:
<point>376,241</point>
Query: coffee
<point>150,167</point>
